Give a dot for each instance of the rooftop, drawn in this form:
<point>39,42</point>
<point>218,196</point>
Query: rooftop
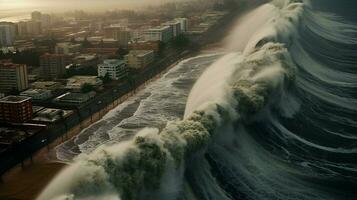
<point>14,99</point>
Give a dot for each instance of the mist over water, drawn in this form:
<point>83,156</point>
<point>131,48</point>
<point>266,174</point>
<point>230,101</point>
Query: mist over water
<point>274,118</point>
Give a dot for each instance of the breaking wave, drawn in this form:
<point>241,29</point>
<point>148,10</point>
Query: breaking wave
<point>276,120</point>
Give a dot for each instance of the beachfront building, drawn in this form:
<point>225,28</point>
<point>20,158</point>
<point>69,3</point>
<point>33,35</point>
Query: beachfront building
<point>116,69</point>
<point>183,23</point>
<point>160,33</point>
<point>175,27</point>
<point>13,77</point>
<point>15,109</point>
<point>138,59</point>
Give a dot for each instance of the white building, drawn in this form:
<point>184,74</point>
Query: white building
<point>116,69</point>
<point>160,33</point>
<point>138,59</point>
<point>37,94</point>
<point>7,34</point>
<point>184,24</point>
<point>175,27</point>
<point>76,83</point>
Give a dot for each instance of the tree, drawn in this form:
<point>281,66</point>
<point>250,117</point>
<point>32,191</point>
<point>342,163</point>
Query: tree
<point>87,88</point>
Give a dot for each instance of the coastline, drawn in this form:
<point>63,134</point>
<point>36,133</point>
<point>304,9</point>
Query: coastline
<point>18,182</point>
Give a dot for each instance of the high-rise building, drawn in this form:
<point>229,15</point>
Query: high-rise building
<point>139,59</point>
<point>7,34</point>
<point>116,69</point>
<point>123,37</point>
<point>36,16</point>
<point>175,27</point>
<point>22,28</point>
<point>183,23</point>
<point>12,77</point>
<point>15,109</point>
<point>34,27</point>
<point>53,65</point>
<point>160,33</point>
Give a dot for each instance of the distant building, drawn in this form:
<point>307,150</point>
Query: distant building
<point>36,16</point>
<point>37,94</point>
<point>116,69</point>
<point>160,33</point>
<point>12,77</point>
<point>111,31</point>
<point>67,48</point>
<point>7,34</point>
<point>22,28</point>
<point>145,45</point>
<point>15,109</point>
<point>34,27</point>
<point>175,27</point>
<point>74,98</point>
<point>101,52</point>
<point>184,24</point>
<point>53,65</point>
<point>76,83</point>
<point>47,85</point>
<point>138,59</point>
<point>123,37</point>
<point>86,60</point>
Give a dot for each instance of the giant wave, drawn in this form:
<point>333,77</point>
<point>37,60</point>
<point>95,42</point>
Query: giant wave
<point>242,136</point>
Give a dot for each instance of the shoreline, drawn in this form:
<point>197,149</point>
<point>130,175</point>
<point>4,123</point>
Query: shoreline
<point>45,165</point>
<point>17,183</point>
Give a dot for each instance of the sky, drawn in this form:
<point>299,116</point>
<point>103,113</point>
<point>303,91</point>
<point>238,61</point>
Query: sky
<point>11,10</point>
<point>55,5</point>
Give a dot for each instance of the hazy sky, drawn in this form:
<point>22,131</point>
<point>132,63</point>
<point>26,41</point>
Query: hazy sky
<point>75,4</point>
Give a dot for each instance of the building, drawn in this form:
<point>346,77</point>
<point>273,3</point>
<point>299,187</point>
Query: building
<point>15,109</point>
<point>37,94</point>
<point>111,31</point>
<point>160,33</point>
<point>86,61</point>
<point>47,85</point>
<point>145,45</point>
<point>36,16</point>
<point>52,66</point>
<point>7,34</point>
<point>138,59</point>
<point>183,23</point>
<point>67,48</point>
<point>12,77</point>
<point>123,37</point>
<point>116,69</point>
<point>74,98</point>
<point>175,27</point>
<point>34,27</point>
<point>76,83</point>
<point>49,115</point>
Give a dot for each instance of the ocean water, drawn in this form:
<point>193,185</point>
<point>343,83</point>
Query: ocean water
<point>273,117</point>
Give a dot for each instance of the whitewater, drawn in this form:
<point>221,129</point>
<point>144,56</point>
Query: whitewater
<point>274,116</point>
